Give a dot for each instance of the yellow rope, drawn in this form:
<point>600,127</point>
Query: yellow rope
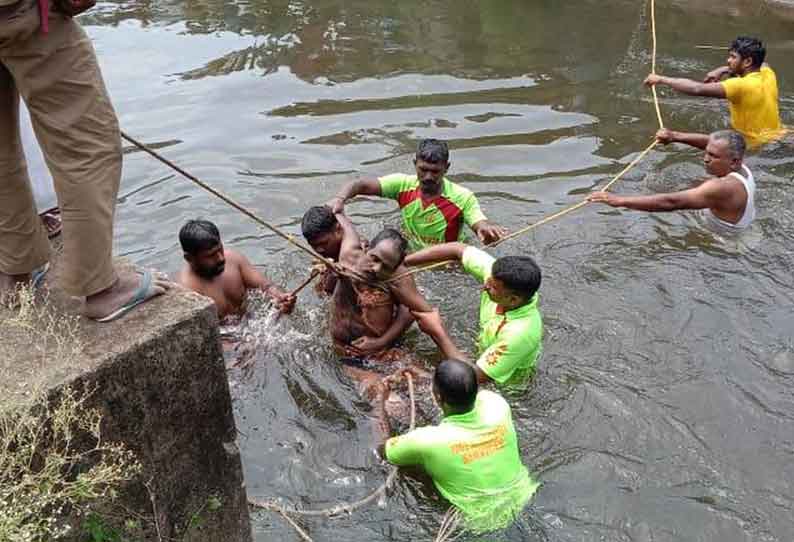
<point>581,204</point>
<point>653,64</point>
<point>617,177</point>
<point>347,508</point>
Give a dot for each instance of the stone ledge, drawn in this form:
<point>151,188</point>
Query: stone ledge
<point>160,383</point>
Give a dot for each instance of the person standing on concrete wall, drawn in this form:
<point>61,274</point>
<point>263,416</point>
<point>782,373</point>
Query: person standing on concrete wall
<point>46,57</point>
<point>749,85</point>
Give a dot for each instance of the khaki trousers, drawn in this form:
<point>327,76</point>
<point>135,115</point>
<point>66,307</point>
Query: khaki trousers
<point>58,76</point>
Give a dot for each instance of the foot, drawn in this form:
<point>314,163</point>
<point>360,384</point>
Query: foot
<point>107,302</point>
<point>51,219</point>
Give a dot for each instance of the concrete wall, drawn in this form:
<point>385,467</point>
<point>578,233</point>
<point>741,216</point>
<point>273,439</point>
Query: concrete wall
<point>161,385</point>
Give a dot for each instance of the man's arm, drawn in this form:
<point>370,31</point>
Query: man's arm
<point>488,232</point>
<point>688,86</point>
<point>365,187</point>
<point>252,278</point>
<point>717,74</point>
<point>436,253</point>
<point>699,141</point>
<point>408,295</point>
<point>351,240</point>
<point>709,194</point>
<point>398,327</point>
<point>430,323</point>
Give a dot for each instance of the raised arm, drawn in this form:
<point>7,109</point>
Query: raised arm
<point>688,86</point>
<point>708,195</point>
<point>351,240</point>
<point>436,253</point>
<point>362,187</point>
<point>699,141</point>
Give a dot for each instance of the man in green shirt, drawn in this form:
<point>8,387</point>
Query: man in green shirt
<point>433,208</point>
<point>472,455</point>
<point>511,328</point>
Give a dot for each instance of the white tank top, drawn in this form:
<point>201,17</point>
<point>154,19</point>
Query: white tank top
<point>721,226</point>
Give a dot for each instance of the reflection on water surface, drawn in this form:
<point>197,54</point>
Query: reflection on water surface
<point>663,406</point>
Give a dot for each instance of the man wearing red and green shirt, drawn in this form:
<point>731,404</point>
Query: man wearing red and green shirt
<point>511,328</point>
<point>433,208</point>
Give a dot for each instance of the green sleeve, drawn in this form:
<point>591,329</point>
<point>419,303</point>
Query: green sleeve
<point>406,449</point>
<point>392,185</point>
<point>471,211</point>
<point>502,358</point>
<point>477,263</point>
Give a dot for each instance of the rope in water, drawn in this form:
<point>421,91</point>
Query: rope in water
<point>347,508</point>
<point>449,523</point>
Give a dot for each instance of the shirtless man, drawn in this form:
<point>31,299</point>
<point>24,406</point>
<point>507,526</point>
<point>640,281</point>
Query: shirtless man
<point>367,309</point>
<point>222,274</point>
<point>726,199</point>
<point>324,233</point>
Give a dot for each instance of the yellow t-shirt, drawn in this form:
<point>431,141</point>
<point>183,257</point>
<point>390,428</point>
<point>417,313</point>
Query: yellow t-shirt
<point>753,105</point>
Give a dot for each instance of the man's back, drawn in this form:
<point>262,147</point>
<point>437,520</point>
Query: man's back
<point>473,460</point>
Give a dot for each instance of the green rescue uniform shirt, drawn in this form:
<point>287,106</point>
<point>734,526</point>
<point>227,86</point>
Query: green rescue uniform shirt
<point>431,221</point>
<point>510,341</point>
<point>474,462</point>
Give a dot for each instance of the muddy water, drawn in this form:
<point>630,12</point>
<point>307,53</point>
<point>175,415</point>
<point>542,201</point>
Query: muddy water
<point>662,409</point>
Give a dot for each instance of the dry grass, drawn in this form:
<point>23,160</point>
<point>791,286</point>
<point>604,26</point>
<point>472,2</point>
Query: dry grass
<point>53,459</point>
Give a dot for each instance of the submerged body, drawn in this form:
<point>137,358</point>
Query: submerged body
<point>360,311</point>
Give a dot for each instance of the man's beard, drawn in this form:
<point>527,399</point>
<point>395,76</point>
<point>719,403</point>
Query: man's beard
<point>210,272</point>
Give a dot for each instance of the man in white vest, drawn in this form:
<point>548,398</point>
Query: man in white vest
<point>726,199</point>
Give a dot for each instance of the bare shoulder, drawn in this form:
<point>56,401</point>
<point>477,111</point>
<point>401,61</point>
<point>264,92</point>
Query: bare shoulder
<point>187,278</point>
<point>232,255</point>
<point>720,185</point>
<point>236,260</point>
<point>402,282</point>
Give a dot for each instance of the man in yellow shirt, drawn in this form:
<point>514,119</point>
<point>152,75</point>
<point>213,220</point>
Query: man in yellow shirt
<point>749,85</point>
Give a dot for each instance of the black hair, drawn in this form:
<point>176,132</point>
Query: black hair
<point>456,383</point>
<point>748,47</point>
<point>519,273</point>
<point>736,142</point>
<point>390,234</point>
<point>318,220</point>
<point>433,151</point>
<point>198,235</point>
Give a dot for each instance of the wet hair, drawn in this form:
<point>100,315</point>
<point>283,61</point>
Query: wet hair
<point>456,383</point>
<point>198,235</point>
<point>736,143</point>
<point>752,48</point>
<point>433,151</point>
<point>318,220</point>
<point>390,234</point>
<point>519,273</point>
